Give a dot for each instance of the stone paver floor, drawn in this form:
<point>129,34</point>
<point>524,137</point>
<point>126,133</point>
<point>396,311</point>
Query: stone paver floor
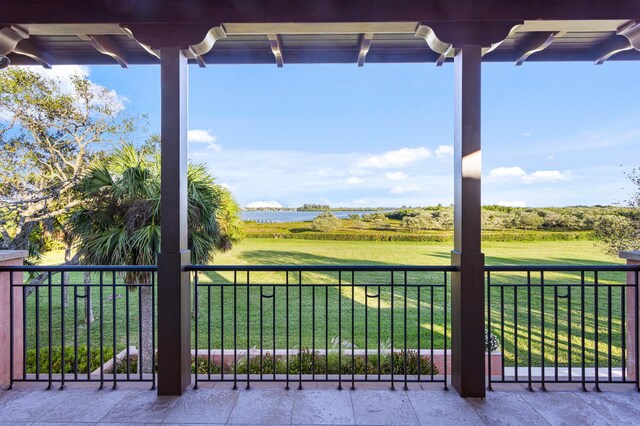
<point>319,405</point>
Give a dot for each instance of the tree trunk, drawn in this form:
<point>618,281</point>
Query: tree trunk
<point>145,350</point>
<point>88,304</point>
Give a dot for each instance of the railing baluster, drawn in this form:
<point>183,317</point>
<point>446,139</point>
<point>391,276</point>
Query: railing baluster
<point>392,330</point>
<point>515,330</point>
<point>261,332</point>
<point>11,333</point>
<point>569,332</point>
<point>446,324</point>
<point>153,330</point>
<point>115,347</point>
<point>582,330</point>
<point>609,331</point>
<point>489,328</point>
<point>339,330</point>
<point>235,330</point>
<point>542,327</point>
<point>196,318</point>
<point>623,334</point>
<point>127,329</point>
<point>502,321</point>
<point>208,331</point>
<point>555,330</point>
<point>313,332</point>
<point>50,329</point>
<point>287,326</point>
<point>300,328</point>
<point>248,330</point>
<point>353,337</point>
<point>529,337</point>
<point>101,277</point>
<point>404,331</point>
<point>636,308</point>
<point>88,322</point>
<point>75,333</point>
<point>62,329</point>
<point>596,329</point>
<point>222,303</point>
<point>273,328</point>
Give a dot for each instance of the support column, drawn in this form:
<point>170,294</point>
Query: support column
<point>632,312</point>
<point>11,319</point>
<point>467,285</point>
<point>174,311</point>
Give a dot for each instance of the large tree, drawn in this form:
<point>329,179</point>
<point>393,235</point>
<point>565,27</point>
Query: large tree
<point>118,222</point>
<point>51,130</point>
<point>622,232</point>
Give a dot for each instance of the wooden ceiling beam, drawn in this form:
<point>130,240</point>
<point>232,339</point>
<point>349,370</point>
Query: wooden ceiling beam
<point>615,45</point>
<point>363,49</point>
<point>13,39</point>
<point>276,49</point>
<point>631,30</point>
<point>153,52</point>
<point>107,46</point>
<point>536,43</point>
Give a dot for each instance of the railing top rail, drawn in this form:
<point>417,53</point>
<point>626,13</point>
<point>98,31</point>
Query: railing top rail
<point>320,268</point>
<point>79,268</point>
<point>562,268</point>
<point>328,268</point>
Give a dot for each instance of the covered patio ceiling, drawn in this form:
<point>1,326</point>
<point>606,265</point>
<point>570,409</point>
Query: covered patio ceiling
<point>327,31</point>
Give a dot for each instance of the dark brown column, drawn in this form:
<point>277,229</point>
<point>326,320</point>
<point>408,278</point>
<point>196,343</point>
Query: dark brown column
<point>174,321</point>
<point>467,285</point>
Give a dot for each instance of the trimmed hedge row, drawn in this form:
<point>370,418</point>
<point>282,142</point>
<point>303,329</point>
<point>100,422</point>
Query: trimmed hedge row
<point>435,237</point>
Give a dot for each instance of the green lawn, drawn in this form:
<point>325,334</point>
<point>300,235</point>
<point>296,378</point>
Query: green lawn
<point>323,323</point>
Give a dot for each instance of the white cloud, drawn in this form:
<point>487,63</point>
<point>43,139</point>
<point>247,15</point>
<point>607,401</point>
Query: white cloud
<point>526,134</point>
<point>551,157</point>
<point>518,174</point>
<point>512,203</point>
<point>401,189</point>
<point>272,204</point>
<point>398,158</point>
<point>507,172</point>
<point>444,151</point>
<point>395,175</point>
<point>547,176</point>
<point>354,180</point>
<point>205,137</point>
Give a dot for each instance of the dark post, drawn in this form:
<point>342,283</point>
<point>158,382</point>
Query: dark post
<point>467,286</point>
<point>174,321</point>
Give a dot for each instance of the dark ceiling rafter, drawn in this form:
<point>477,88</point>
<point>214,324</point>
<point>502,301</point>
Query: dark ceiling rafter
<point>275,42</point>
<point>537,42</point>
<point>363,47</point>
<point>14,39</point>
<point>107,46</point>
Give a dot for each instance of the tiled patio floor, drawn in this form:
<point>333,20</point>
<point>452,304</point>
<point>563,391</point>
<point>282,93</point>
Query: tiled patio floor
<point>319,405</point>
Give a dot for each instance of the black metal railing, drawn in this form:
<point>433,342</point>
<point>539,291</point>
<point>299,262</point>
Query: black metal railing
<point>82,324</point>
<point>563,324</point>
<point>342,324</point>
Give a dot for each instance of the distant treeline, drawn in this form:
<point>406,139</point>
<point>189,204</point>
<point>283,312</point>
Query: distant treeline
<point>309,207</point>
<point>577,218</point>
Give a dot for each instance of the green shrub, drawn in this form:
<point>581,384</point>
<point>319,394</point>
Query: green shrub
<point>69,360</point>
<point>325,222</point>
<point>309,362</point>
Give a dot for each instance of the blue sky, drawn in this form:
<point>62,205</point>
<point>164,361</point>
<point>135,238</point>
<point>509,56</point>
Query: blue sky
<point>554,134</point>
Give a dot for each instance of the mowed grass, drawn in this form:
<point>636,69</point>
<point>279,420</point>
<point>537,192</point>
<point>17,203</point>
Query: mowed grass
<point>351,312</point>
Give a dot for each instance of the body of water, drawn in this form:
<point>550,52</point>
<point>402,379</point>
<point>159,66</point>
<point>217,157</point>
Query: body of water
<point>295,216</point>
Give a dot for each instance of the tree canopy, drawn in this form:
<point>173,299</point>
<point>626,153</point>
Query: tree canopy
<point>51,131</point>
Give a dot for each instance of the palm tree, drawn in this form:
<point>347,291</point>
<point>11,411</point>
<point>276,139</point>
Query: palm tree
<point>118,222</point>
